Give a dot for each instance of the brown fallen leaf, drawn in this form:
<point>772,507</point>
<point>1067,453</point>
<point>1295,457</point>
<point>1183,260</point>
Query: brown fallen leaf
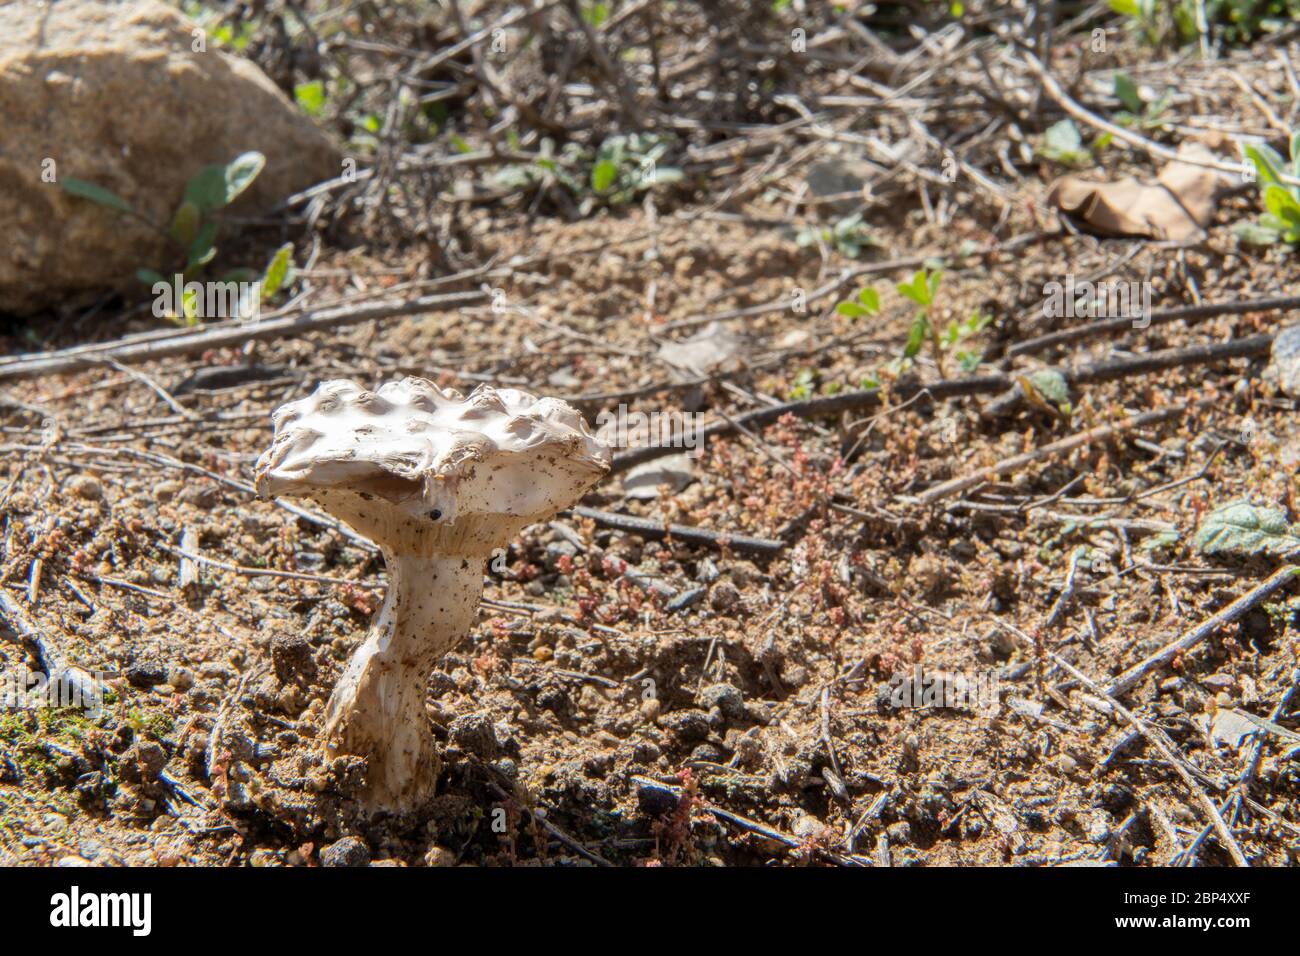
<point>1178,205</point>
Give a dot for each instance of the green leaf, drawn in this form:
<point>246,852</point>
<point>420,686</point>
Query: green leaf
<point>185,224</point>
<point>190,306</point>
<point>603,175</point>
<point>310,96</point>
<point>1051,385</point>
<point>869,298</point>
<point>596,13</point>
<point>1159,540</point>
<point>277,271</point>
<point>206,189</point>
<point>918,290</point>
<point>807,237</point>
<point>916,337</point>
<point>203,248</point>
<point>851,309</point>
<point>149,277</point>
<point>95,193</point>
<point>216,186</point>
<point>1063,138</point>
<point>1241,528</point>
<point>1268,164</point>
<point>241,172</point>
<point>1128,8</point>
<point>1279,201</point>
<point>1254,234</point>
<point>932,283</point>
<point>1126,92</point>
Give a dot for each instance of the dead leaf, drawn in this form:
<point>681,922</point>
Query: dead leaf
<point>1178,205</point>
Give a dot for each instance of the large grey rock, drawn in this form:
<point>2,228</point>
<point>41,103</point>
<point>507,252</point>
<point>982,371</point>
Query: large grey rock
<point>115,93</point>
<point>1284,362</point>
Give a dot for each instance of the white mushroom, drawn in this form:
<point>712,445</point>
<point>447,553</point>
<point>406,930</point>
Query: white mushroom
<point>438,481</point>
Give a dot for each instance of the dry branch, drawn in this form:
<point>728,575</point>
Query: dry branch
<point>655,530</point>
<point>1188,313</point>
<point>1130,678</point>
<point>1101,432</point>
<point>225,334</point>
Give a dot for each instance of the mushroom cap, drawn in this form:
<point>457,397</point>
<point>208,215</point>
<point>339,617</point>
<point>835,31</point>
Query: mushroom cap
<point>420,468</point>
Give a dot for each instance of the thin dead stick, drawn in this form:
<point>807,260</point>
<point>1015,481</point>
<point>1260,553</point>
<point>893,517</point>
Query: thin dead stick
<point>190,558</point>
<point>1130,678</point>
<point>753,826</point>
<point>193,556</point>
<point>1203,353</point>
<point>1099,433</point>
<point>655,530</point>
<point>1158,317</point>
<point>226,334</point>
<point>551,828</point>
<point>166,396</point>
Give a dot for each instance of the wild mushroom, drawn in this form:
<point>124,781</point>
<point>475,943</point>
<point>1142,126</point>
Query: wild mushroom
<point>438,481</point>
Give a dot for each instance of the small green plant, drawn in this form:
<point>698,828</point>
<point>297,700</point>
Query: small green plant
<point>1180,21</point>
<point>957,333</point>
<point>311,97</point>
<point>195,226</point>
<point>1241,21</point>
<point>1137,111</point>
<point>150,724</point>
<point>626,166</point>
<point>1144,18</point>
<point>848,236</point>
<point>1063,143</point>
<point>922,289</point>
<point>615,173</point>
<point>1281,221</point>
<point>804,384</point>
<point>866,302</point>
<point>1246,530</point>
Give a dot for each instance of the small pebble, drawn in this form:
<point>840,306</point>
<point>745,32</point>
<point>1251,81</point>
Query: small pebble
<point>86,487</point>
<point>350,851</point>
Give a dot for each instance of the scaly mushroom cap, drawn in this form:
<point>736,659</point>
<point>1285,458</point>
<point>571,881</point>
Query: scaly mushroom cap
<point>424,470</point>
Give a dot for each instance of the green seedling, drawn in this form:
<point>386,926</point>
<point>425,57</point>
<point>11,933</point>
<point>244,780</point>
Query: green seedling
<point>848,236</point>
<point>194,228</point>
<point>621,169</point>
<point>1137,111</point>
<point>1281,220</point>
<point>1063,143</point>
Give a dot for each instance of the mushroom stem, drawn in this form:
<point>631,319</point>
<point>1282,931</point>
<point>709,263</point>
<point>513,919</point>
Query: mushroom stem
<point>377,709</point>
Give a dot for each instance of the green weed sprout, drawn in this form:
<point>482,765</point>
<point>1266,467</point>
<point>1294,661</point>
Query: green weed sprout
<point>194,226</point>
<point>1281,221</point>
